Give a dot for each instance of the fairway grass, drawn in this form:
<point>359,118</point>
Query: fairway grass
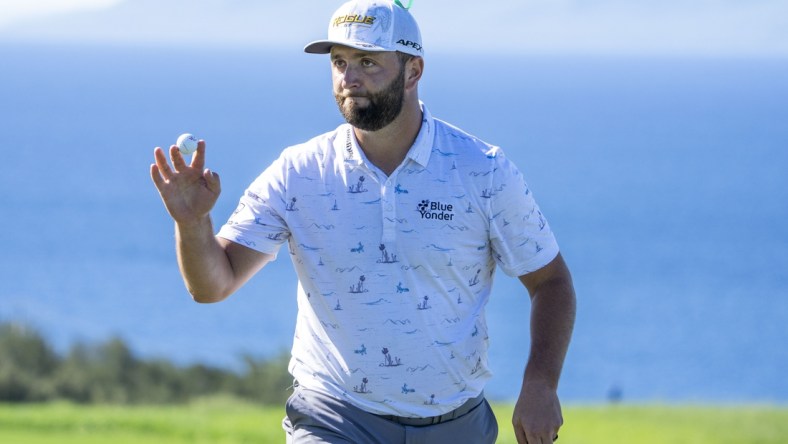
<point>228,421</point>
<point>662,424</point>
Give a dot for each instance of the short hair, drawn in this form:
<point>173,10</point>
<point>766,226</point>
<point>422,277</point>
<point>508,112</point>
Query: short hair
<point>404,58</point>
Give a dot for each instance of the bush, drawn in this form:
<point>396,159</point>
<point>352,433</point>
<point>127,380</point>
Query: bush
<point>110,373</point>
<point>26,364</point>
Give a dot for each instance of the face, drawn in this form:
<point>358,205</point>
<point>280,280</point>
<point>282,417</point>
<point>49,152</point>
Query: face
<point>369,87</point>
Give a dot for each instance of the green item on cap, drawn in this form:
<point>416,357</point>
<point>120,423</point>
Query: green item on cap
<point>410,3</point>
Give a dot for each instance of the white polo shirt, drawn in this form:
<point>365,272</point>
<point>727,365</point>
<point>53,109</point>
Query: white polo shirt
<point>394,272</point>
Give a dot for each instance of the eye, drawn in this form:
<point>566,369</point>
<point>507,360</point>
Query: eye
<point>338,63</point>
<point>367,63</point>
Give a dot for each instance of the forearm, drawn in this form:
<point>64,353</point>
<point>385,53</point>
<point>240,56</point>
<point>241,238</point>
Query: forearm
<point>537,414</point>
<point>206,269</point>
<point>553,309</point>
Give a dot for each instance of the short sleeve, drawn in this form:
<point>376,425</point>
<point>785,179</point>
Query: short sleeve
<point>521,238</point>
<point>257,222</point>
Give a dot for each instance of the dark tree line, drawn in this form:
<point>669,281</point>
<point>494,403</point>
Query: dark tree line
<point>31,371</point>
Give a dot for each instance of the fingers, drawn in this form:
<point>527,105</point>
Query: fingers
<point>212,181</point>
<point>540,437</point>
<point>178,163</point>
<point>198,160</point>
<point>161,163</point>
<point>161,172</point>
<point>533,436</point>
<point>520,435</point>
<point>531,439</point>
<point>155,175</point>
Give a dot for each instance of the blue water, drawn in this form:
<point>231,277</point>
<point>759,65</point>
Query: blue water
<point>666,181</point>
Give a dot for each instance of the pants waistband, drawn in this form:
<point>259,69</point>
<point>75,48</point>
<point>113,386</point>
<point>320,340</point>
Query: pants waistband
<point>432,420</point>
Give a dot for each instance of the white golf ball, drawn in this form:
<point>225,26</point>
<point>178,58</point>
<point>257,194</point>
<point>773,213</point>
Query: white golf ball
<point>187,143</point>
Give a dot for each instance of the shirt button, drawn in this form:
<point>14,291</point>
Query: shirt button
<point>389,207</point>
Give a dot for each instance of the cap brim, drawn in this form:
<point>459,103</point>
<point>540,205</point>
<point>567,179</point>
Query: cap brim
<point>319,47</point>
<point>324,46</point>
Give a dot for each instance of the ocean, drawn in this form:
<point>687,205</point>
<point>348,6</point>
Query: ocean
<point>664,178</point>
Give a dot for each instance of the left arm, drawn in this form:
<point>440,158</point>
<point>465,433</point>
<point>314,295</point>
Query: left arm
<point>537,414</point>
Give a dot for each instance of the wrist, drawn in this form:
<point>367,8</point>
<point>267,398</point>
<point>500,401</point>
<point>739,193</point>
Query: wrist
<point>534,378</point>
<point>194,225</point>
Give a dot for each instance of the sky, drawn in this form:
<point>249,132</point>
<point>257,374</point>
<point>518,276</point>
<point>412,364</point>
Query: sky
<point>679,27</point>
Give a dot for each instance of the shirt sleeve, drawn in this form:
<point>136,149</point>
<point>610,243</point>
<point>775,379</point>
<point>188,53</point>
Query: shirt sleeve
<point>257,222</point>
<point>520,236</point>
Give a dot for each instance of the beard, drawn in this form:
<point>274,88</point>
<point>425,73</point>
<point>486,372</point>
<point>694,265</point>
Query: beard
<point>383,107</point>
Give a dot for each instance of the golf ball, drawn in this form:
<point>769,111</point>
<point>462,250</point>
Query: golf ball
<point>187,143</point>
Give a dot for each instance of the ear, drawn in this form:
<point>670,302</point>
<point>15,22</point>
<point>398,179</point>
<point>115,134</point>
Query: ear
<point>414,68</point>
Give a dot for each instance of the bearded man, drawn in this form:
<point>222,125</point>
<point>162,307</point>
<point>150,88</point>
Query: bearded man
<point>395,222</point>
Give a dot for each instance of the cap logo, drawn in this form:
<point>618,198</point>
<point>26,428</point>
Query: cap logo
<point>413,45</point>
<point>354,18</point>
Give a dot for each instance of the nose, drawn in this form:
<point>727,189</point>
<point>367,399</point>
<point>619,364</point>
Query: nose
<point>350,78</point>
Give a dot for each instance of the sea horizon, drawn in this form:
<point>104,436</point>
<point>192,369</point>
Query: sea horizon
<point>662,177</point>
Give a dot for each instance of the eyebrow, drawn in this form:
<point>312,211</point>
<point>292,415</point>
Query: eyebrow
<point>357,54</point>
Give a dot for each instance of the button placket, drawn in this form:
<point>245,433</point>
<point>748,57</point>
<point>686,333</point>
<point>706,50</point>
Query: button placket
<point>388,210</point>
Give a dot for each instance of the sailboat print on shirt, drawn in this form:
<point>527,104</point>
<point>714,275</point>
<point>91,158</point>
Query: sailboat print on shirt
<point>475,279</point>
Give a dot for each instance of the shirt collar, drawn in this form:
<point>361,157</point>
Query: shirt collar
<point>419,152</point>
<point>422,146</point>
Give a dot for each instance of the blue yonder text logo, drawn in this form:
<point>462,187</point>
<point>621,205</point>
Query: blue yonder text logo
<point>435,210</point>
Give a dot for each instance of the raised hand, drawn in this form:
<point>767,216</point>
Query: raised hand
<point>188,192</point>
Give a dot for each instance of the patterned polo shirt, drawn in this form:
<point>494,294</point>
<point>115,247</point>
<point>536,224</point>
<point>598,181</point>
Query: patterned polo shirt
<point>394,272</point>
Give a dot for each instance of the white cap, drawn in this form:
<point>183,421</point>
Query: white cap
<point>371,25</point>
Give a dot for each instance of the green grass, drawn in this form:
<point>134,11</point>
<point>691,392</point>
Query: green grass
<point>228,421</point>
<point>660,424</point>
<point>219,421</point>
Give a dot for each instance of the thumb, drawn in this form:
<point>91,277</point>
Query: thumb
<point>212,180</point>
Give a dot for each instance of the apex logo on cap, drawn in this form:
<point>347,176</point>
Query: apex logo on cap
<point>414,45</point>
<point>354,18</point>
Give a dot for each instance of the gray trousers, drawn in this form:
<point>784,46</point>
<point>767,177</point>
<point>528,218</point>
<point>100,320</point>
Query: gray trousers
<point>313,417</point>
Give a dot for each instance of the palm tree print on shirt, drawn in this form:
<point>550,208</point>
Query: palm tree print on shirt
<point>359,287</point>
<point>388,360</point>
<point>358,187</point>
<point>386,258</point>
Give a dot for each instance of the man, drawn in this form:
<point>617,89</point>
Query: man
<point>395,223</point>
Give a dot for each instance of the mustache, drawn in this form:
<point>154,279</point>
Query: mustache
<point>351,95</point>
